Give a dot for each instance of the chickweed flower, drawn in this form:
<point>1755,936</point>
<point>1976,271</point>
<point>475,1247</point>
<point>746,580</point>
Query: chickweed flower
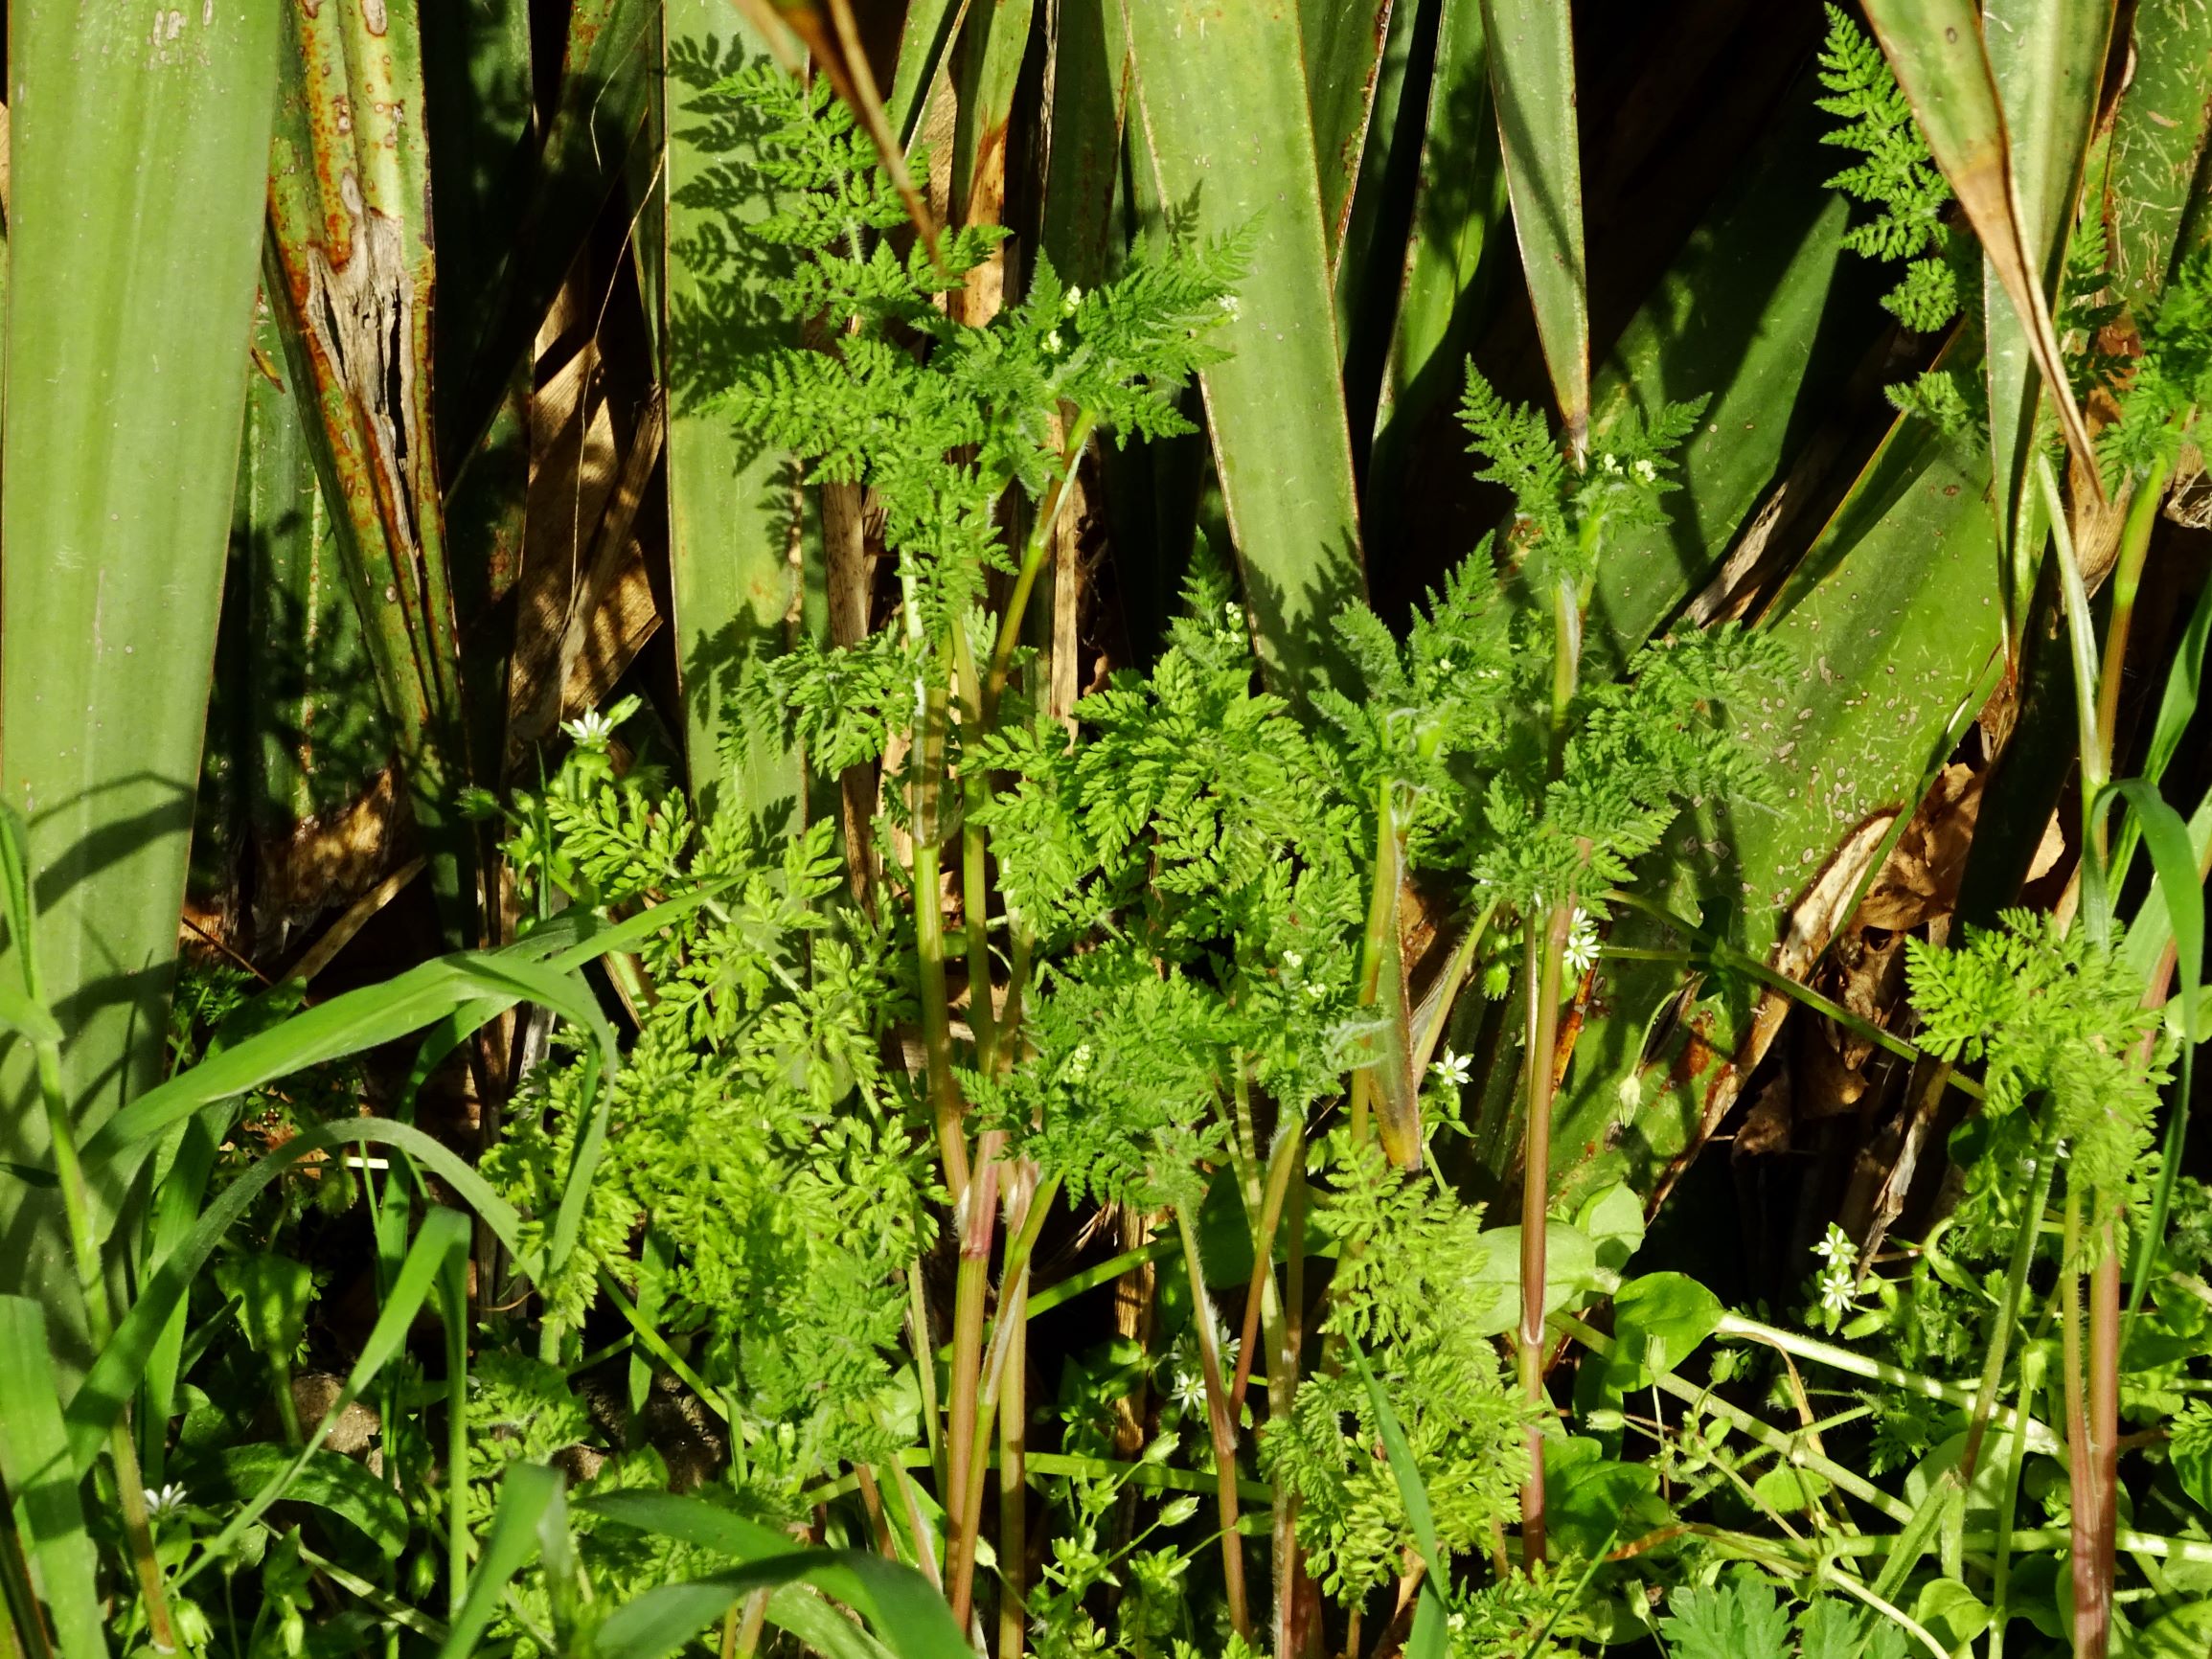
<point>1453,1070</point>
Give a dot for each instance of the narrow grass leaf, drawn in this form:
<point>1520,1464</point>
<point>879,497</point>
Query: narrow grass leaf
<point>525,1493</point>
<point>1428,1637</point>
<point>278,1475</point>
<point>908,1616</point>
<point>2175,861</point>
<point>924,39</point>
<point>1936,49</point>
<point>2176,708</point>
<point>42,1481</point>
<point>114,1375</point>
<point>1531,78</point>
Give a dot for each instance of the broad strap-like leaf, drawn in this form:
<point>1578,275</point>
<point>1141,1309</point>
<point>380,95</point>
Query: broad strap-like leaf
<point>1935,47</point>
<point>137,193</point>
<point>2048,60</point>
<point>2158,135</point>
<point>1221,99</point>
<point>41,1483</point>
<point>1531,78</point>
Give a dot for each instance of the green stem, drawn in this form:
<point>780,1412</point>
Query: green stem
<point>2127,584</point>
<point>1843,1359</point>
<point>974,868</point>
<point>1222,1426</point>
<point>99,1325</point>
<point>2042,1167</point>
<point>1033,560</point>
<point>1545,955</point>
<point>1264,1211</point>
<point>455,1273</point>
<point>930,951</point>
<point>977,1214</point>
<point>2001,1546</point>
<point>1791,1447</point>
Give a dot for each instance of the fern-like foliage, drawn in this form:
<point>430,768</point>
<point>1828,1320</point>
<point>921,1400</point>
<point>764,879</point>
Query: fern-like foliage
<point>1898,176</point>
<point>1403,1290</point>
<point>2171,380</point>
<point>1741,1615</point>
<point>2054,1017</point>
<point>939,417</point>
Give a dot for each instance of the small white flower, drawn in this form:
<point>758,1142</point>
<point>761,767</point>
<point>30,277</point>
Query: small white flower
<point>1444,664</point>
<point>1582,951</point>
<point>1646,470</point>
<point>1291,959</point>
<point>1835,1290</point>
<point>1070,302</point>
<point>1079,1063</point>
<point>168,1501</point>
<point>1608,463</point>
<point>1051,341</point>
<point>1233,615</point>
<point>1229,306</point>
<point>1837,1248</point>
<point>1453,1070</point>
<point>592,732</point>
<point>1316,990</point>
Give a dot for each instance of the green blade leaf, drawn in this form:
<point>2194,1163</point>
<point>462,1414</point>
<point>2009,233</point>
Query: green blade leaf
<point>1343,47</point>
<point>322,1479</point>
<point>1427,1639</point>
<point>270,1479</point>
<point>1531,78</point>
<point>2182,886</point>
<point>351,281</point>
<point>130,295</point>
<point>908,1616</point>
<point>1935,47</point>
<point>42,1482</point>
<point>526,1492</point>
<point>114,1375</point>
<point>1222,96</point>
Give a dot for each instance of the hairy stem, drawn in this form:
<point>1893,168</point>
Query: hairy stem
<point>1223,1425</point>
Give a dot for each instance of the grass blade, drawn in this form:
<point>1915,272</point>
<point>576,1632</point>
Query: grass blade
<point>2182,886</point>
<point>1531,78</point>
<point>908,1616</point>
<point>924,37</point>
<point>526,1493</point>
<point>444,1233</point>
<point>731,505</point>
<point>1936,49</point>
<point>38,1475</point>
<point>114,1375</point>
<point>130,307</point>
<point>1222,96</point>
<point>1428,1637</point>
